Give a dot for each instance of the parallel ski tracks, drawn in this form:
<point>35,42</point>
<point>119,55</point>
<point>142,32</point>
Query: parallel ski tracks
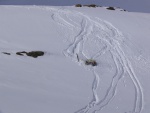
<point>112,38</point>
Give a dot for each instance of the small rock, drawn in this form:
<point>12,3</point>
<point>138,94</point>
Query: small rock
<point>110,8</point>
<point>35,54</point>
<point>6,53</point>
<point>78,5</point>
<point>91,62</point>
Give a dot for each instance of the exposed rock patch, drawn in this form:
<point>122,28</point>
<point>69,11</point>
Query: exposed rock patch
<point>78,5</point>
<point>21,53</point>
<point>91,62</point>
<point>6,53</point>
<point>33,54</point>
<point>110,8</point>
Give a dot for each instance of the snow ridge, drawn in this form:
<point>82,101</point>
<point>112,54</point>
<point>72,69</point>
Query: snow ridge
<point>110,39</point>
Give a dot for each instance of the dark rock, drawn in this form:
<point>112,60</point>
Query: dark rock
<point>18,53</point>
<point>110,8</point>
<point>35,54</point>
<point>6,53</point>
<point>21,53</point>
<point>91,5</point>
<point>91,62</point>
<point>78,5</point>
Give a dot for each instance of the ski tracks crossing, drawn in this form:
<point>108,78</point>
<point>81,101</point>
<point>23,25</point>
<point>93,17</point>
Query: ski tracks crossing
<point>110,39</point>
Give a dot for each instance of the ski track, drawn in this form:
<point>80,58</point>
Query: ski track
<point>112,38</point>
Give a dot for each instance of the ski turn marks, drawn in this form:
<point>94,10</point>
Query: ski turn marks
<point>99,40</point>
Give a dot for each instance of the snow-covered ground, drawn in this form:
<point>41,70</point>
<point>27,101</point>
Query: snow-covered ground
<point>57,82</point>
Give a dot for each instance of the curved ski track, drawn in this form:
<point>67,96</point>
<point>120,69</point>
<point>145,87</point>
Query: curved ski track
<point>111,37</point>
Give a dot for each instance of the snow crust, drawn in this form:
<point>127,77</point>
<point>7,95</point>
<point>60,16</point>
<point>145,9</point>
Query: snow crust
<point>57,82</point>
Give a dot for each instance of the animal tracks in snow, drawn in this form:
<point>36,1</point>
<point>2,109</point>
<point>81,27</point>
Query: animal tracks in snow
<point>98,39</point>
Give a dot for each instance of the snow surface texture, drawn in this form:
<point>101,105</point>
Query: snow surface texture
<point>57,82</point>
<point>134,5</point>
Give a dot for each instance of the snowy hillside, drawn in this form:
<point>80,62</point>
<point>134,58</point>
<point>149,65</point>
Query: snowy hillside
<point>60,81</point>
<point>130,5</point>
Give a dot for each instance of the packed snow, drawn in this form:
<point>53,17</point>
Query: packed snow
<point>60,81</point>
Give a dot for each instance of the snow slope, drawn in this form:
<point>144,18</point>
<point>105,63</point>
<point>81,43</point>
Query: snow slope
<point>134,5</point>
<point>57,82</point>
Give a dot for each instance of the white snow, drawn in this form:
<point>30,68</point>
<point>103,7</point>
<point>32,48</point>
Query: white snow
<point>57,82</point>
